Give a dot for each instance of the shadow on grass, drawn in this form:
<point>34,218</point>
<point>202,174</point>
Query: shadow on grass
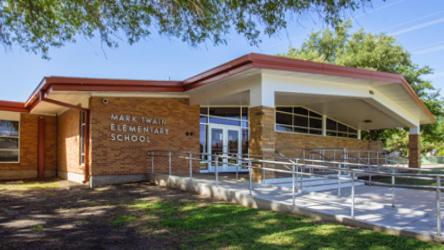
<point>150,217</point>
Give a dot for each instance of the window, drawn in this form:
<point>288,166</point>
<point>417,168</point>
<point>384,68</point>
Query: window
<point>9,141</point>
<point>301,120</point>
<point>82,138</point>
<point>232,116</point>
<point>298,120</point>
<point>338,129</point>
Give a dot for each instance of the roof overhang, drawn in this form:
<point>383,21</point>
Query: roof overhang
<point>73,89</point>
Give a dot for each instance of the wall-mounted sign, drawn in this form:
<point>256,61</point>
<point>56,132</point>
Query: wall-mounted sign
<point>136,128</point>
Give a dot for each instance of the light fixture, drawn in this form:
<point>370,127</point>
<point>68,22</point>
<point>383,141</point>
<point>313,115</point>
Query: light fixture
<point>368,121</point>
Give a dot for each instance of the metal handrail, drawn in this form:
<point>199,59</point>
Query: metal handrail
<point>299,170</point>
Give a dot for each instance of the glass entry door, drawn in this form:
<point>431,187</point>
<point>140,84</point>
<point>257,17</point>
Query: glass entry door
<point>225,141</point>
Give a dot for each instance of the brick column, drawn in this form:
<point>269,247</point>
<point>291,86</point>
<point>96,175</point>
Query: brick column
<point>414,151</point>
<point>262,136</point>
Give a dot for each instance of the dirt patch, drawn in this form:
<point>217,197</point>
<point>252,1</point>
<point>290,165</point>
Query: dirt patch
<point>66,216</point>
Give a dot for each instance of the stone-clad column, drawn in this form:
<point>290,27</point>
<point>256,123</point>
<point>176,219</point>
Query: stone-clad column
<point>414,148</point>
<point>262,136</point>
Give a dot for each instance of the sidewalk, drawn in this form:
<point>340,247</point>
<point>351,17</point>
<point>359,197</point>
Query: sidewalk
<point>414,215</point>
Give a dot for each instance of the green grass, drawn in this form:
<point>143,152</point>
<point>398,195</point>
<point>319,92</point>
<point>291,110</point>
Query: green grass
<point>226,226</point>
<point>122,220</point>
<point>37,227</point>
<point>27,186</point>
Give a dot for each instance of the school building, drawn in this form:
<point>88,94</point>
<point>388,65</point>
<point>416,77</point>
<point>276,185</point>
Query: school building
<point>98,131</point>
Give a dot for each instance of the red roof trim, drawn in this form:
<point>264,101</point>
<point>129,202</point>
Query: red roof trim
<point>225,70</point>
<point>12,106</point>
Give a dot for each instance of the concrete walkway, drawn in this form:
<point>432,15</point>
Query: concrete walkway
<point>414,215</point>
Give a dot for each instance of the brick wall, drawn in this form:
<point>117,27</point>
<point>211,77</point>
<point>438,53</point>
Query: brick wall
<point>414,151</point>
<point>112,157</point>
<point>29,147</point>
<point>292,145</point>
<point>68,153</point>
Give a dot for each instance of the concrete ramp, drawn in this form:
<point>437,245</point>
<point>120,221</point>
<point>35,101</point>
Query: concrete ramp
<point>326,207</point>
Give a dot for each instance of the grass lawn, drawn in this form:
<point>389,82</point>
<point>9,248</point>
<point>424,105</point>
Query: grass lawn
<point>143,216</point>
<point>228,226</point>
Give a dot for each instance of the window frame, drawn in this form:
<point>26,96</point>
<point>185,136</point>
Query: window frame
<point>18,141</point>
<point>317,116</point>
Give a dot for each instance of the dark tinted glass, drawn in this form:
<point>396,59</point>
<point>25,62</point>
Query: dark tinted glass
<point>245,114</point>
<point>300,121</point>
<point>313,114</point>
<point>204,111</point>
<point>283,128</point>
<point>301,111</point>
<point>331,125</point>
<point>315,123</point>
<point>301,130</point>
<point>342,127</point>
<point>9,128</point>
<point>329,133</point>
<point>283,118</point>
<point>353,131</point>
<point>315,132</point>
<point>285,109</point>
<point>342,135</point>
<point>203,119</point>
<point>226,112</point>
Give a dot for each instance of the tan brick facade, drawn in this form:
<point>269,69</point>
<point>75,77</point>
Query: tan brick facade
<point>292,145</point>
<point>68,156</point>
<point>112,157</point>
<point>414,151</point>
<point>28,165</point>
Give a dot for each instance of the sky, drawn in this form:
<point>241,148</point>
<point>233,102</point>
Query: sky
<point>417,25</point>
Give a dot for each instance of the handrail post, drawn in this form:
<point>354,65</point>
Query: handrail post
<point>300,182</point>
<point>353,196</point>
<point>191,166</point>
<point>152,162</point>
<point>250,176</point>
<point>293,185</point>
<point>263,169</point>
<point>438,205</point>
<point>393,188</point>
<point>339,181</point>
<point>216,164</point>
<point>169,164</point>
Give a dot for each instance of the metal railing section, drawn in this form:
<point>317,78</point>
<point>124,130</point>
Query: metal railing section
<point>307,168</point>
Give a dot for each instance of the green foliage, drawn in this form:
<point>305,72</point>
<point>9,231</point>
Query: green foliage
<point>201,225</point>
<point>382,53</point>
<point>38,25</point>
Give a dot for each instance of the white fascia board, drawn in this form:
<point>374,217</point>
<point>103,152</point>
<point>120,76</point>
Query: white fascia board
<point>288,84</point>
<point>225,88</point>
